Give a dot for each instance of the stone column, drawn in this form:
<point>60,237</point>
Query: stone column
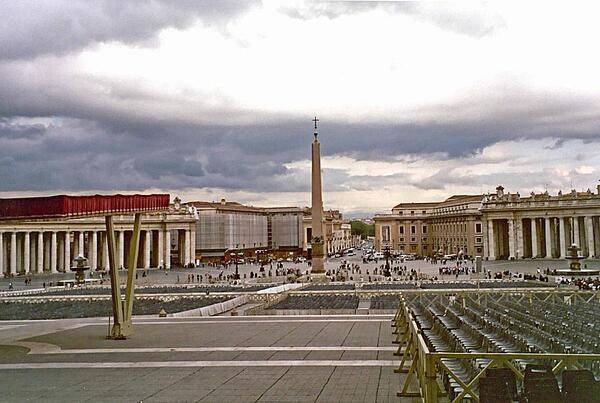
<point>13,253</point>
<point>81,244</point>
<point>549,236</point>
<point>67,251</point>
<point>491,241</point>
<point>596,226</point>
<point>147,240</point>
<point>519,238</point>
<point>161,249</point>
<point>121,258</point>
<point>40,252</point>
<point>193,244</point>
<point>186,247</point>
<point>32,254</point>
<point>511,238</point>
<point>563,237</point>
<point>589,236</point>
<point>53,253</point>
<point>105,264</point>
<point>94,256</point>
<point>1,254</point>
<point>61,253</point>
<point>576,238</point>
<point>534,238</point>
<point>26,257</point>
<point>167,249</point>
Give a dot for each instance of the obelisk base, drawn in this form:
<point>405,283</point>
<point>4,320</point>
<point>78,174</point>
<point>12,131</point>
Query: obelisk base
<point>319,278</point>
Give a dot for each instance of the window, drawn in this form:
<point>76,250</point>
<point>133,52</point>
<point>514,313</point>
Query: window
<point>385,233</point>
<point>423,212</point>
<point>413,229</point>
<point>424,229</point>
<point>401,239</point>
<point>478,239</point>
<point>413,239</point>
<point>424,240</point>
<point>412,213</point>
<point>478,227</point>
<point>401,229</point>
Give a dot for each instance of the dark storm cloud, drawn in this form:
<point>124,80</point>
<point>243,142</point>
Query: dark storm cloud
<point>32,28</point>
<point>122,152</point>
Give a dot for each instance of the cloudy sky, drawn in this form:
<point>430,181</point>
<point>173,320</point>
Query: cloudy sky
<point>212,99</point>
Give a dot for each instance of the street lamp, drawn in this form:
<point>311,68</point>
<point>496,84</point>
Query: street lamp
<point>386,252</point>
<point>237,273</point>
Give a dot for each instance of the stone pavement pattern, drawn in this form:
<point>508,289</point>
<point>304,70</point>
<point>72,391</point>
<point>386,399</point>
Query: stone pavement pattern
<point>217,359</point>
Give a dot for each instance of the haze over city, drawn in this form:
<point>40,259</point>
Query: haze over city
<point>214,99</point>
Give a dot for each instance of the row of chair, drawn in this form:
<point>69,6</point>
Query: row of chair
<point>506,326</point>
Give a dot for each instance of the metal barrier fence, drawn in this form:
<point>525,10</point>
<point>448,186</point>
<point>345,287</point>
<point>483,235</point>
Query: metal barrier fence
<point>428,367</point>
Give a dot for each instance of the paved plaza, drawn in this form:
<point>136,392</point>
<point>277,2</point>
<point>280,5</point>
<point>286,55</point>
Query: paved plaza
<point>218,359</point>
<point>225,358</point>
<point>179,275</point>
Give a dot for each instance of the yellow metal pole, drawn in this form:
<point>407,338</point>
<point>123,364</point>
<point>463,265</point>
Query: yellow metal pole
<point>132,259</point>
<point>431,388</point>
<point>114,279</point>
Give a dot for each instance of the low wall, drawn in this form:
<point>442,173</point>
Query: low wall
<point>261,312</point>
<point>212,310</point>
<point>280,288</point>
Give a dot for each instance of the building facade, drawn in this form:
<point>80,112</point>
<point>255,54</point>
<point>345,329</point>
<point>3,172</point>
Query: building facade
<point>186,234</point>
<point>497,226</point>
<point>50,245</point>
<point>541,225</point>
<point>230,227</point>
<point>336,232</point>
<point>452,226</point>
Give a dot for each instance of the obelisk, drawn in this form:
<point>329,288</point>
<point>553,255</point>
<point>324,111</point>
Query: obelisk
<point>317,207</point>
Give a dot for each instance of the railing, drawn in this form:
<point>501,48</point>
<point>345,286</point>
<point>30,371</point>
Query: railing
<point>427,367</point>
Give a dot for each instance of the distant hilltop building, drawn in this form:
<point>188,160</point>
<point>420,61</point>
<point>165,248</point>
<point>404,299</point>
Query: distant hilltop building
<point>496,226</point>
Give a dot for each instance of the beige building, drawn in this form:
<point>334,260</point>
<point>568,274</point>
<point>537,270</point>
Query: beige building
<point>336,231</point>
<point>30,246</point>
<point>541,225</point>
<point>496,226</point>
<point>452,226</point>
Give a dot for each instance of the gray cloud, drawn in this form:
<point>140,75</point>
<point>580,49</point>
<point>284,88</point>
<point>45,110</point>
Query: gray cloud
<point>33,28</point>
<point>474,21</point>
<point>109,135</point>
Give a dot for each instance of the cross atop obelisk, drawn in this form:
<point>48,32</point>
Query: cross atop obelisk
<point>317,240</point>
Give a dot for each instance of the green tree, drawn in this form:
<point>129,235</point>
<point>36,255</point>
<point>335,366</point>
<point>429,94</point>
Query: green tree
<point>362,229</point>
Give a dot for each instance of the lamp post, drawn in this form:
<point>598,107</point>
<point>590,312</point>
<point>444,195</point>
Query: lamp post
<point>386,252</point>
<point>237,273</point>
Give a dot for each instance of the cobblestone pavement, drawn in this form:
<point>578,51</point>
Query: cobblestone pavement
<point>218,359</point>
<point>179,275</point>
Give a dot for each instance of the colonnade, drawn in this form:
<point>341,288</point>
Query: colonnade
<point>542,237</point>
<point>24,251</point>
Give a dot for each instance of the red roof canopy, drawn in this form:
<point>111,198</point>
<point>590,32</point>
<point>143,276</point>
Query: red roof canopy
<point>77,206</point>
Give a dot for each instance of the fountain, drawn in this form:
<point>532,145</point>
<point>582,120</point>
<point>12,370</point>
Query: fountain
<point>80,264</point>
<point>575,265</point>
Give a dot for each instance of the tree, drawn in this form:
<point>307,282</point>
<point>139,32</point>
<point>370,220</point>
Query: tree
<point>362,229</point>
